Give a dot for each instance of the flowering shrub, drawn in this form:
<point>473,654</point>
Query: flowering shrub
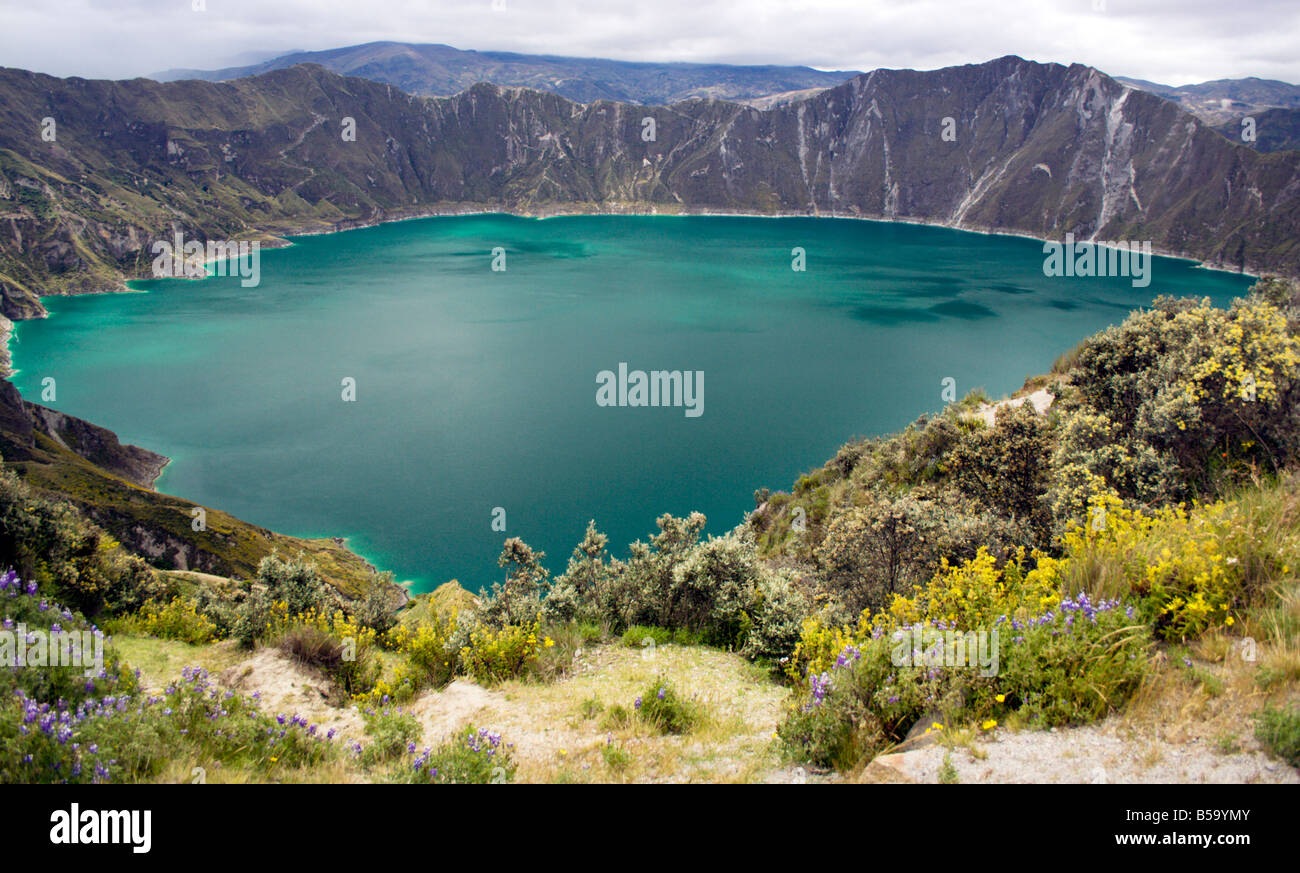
<point>400,688</point>
<point>496,655</point>
<point>1171,559</point>
<point>1070,664</point>
<point>178,619</point>
<point>473,756</point>
<point>430,647</point>
<point>661,707</point>
<point>392,732</point>
<point>49,541</point>
<point>971,594</point>
<point>130,737</point>
<point>1197,395</point>
<point>25,608</point>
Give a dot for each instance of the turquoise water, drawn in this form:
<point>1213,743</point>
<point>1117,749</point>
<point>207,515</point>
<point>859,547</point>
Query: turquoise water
<point>477,389</point>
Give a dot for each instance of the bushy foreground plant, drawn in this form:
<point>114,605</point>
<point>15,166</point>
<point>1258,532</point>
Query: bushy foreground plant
<point>496,655</point>
<point>178,619</point>
<point>1196,397</point>
<point>473,756</point>
<point>130,737</point>
<point>1069,665</point>
<point>50,542</point>
<point>1189,569</point>
<point>50,652</point>
<point>1278,729</point>
<point>392,733</point>
<point>661,707</point>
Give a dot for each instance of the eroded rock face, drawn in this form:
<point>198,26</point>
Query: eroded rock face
<point>1040,149</point>
<point>98,445</point>
<point>21,421</point>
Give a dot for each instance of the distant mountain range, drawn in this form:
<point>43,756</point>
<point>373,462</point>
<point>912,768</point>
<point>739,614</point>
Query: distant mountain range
<point>1274,106</point>
<point>1223,99</point>
<point>1038,149</point>
<point>440,70</point>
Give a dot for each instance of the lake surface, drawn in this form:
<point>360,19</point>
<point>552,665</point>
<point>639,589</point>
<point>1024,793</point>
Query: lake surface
<point>476,389</point>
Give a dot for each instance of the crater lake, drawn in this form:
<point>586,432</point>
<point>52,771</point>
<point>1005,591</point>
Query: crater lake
<point>476,390</point>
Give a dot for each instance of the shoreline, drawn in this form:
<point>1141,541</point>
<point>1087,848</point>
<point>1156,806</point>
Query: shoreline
<point>688,212</point>
<point>282,237</point>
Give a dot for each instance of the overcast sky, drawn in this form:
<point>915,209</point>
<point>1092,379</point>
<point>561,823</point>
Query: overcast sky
<point>1170,41</point>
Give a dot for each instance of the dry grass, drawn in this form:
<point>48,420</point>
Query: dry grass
<point>557,739</point>
<point>161,661</point>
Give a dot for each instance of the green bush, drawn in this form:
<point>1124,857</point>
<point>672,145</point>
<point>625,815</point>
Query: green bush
<point>377,608</point>
<point>775,618</point>
<point>615,757</point>
<point>254,618</point>
<point>393,733</point>
<point>50,542</point>
<point>1279,732</point>
<point>518,601</point>
<point>1005,467</point>
<point>297,584</point>
<point>661,707</point>
<point>1200,396</point>
<point>473,757</point>
<point>1071,665</point>
<point>178,619</point>
<point>124,738</point>
<point>76,677</point>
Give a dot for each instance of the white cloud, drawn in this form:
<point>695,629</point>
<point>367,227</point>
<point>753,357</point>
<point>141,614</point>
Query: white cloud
<point>1170,41</point>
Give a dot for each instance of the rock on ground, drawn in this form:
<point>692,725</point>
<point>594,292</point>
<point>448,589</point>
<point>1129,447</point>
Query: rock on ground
<point>1102,753</point>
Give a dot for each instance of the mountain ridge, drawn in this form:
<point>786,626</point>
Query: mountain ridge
<point>1041,150</point>
<point>435,69</point>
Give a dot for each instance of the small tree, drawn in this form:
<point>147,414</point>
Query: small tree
<point>518,600</point>
<point>574,593</point>
<point>377,608</point>
<point>296,582</point>
<point>875,550</point>
<point>1005,466</point>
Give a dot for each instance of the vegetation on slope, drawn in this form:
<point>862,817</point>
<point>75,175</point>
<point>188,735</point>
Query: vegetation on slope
<point>1150,515</point>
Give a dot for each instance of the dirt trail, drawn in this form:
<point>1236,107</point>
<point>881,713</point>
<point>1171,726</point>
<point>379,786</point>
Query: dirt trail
<point>286,688</point>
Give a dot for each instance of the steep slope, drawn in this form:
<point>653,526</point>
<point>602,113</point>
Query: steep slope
<point>1275,130</point>
<point>1040,149</point>
<point>112,483</point>
<point>440,70</point>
